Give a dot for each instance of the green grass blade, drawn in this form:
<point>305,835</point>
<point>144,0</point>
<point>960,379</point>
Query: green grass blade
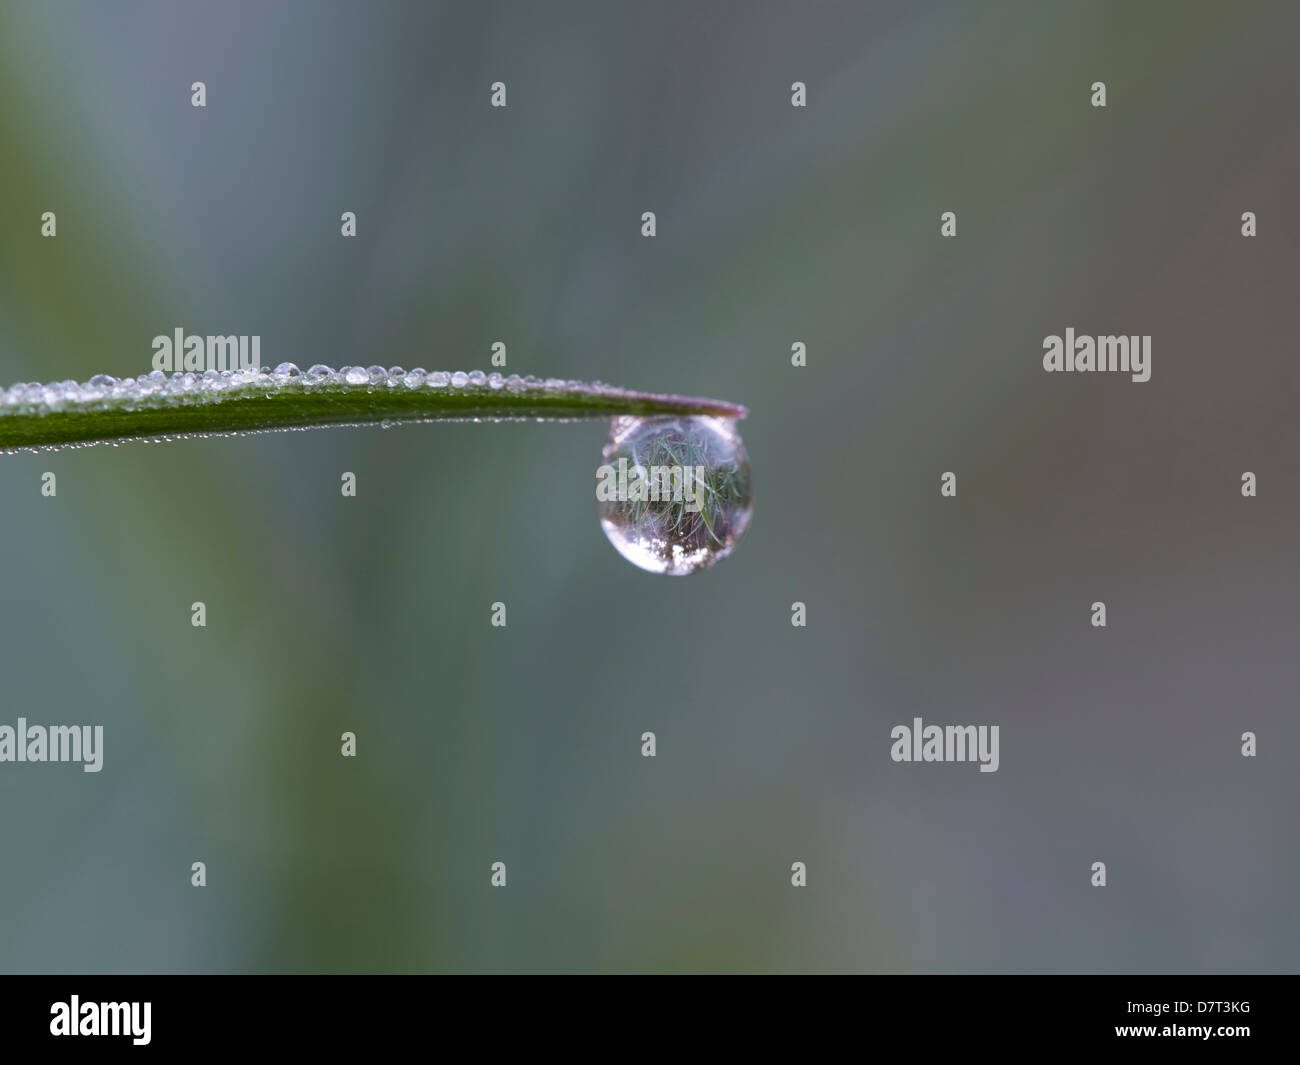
<point>158,406</point>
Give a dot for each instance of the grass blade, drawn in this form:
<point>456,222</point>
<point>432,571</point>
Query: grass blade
<point>159,406</point>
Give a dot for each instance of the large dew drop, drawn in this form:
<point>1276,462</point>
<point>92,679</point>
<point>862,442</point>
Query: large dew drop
<point>674,491</point>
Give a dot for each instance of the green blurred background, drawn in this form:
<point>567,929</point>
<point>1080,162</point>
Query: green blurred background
<point>776,225</point>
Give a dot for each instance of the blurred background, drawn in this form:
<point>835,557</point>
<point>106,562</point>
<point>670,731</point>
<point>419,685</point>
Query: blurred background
<point>775,225</point>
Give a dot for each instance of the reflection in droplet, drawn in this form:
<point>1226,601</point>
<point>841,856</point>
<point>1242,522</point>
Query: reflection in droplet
<point>674,491</point>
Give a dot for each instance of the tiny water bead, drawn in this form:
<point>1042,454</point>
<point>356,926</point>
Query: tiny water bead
<point>674,491</point>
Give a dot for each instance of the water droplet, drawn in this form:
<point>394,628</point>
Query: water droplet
<point>477,378</point>
<point>355,375</point>
<point>286,369</point>
<point>674,491</point>
<point>459,379</point>
<point>438,379</point>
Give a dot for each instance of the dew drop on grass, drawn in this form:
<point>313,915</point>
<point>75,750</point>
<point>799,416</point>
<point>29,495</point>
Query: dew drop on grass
<point>674,491</point>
